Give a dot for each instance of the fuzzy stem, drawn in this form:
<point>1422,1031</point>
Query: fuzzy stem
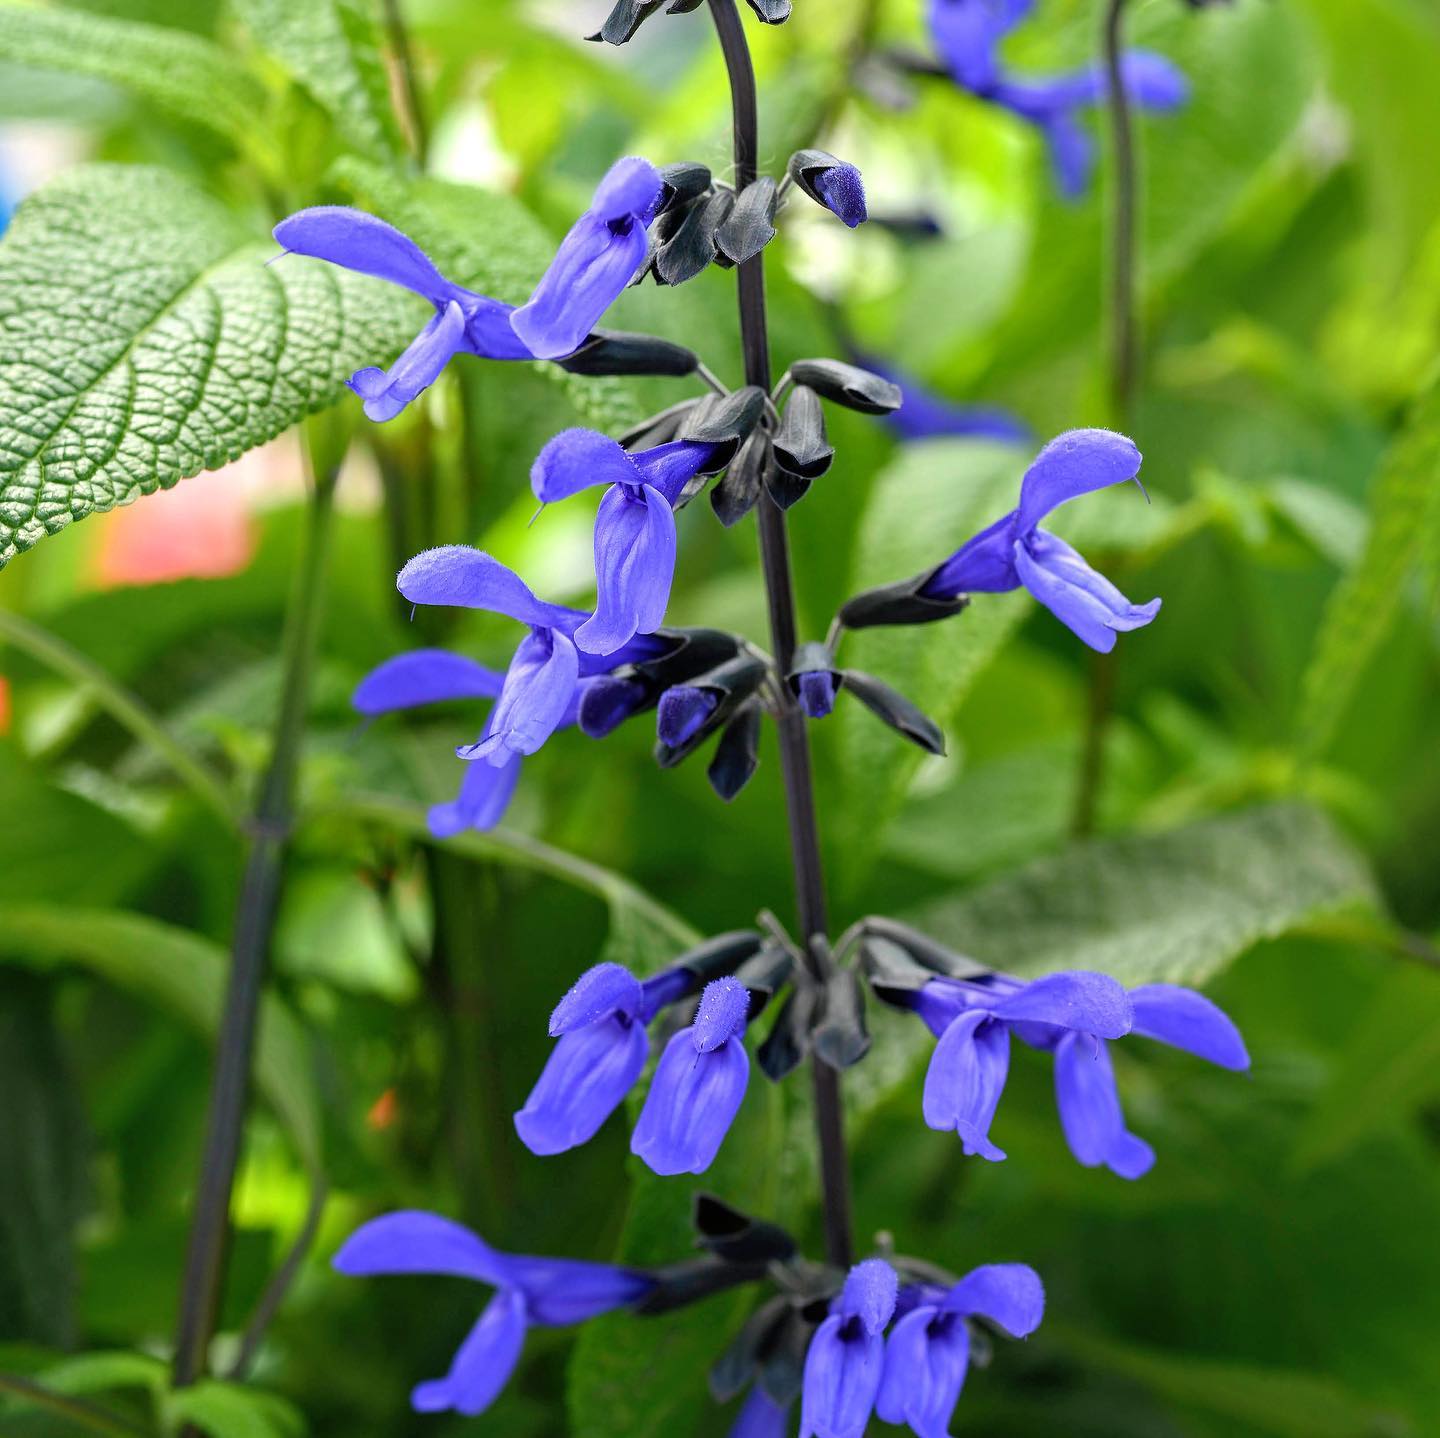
<point>270,828</point>
<point>780,596</point>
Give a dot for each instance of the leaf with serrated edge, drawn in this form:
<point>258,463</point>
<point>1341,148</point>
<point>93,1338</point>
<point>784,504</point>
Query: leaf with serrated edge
<point>1160,908</point>
<point>143,339</point>
<point>333,49</point>
<point>189,76</point>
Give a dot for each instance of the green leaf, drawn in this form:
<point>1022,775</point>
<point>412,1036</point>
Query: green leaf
<point>1161,908</point>
<point>1280,1401</point>
<point>332,48</point>
<point>187,75</point>
<point>486,241</point>
<point>1388,1068</point>
<point>143,339</point>
<point>178,971</point>
<point>1405,510</point>
<point>226,1410</point>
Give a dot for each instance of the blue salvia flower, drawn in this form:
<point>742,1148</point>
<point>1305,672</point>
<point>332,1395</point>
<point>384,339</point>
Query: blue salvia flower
<point>967,34</point>
<point>464,322</point>
<point>634,528</point>
<point>595,261</point>
<point>540,692</point>
<point>815,691</point>
<point>1071,1015</point>
<point>698,1086</point>
<point>761,1417</point>
<point>1015,551</point>
<point>928,1350</point>
<point>552,1292</point>
<point>602,1048</point>
<point>923,414</point>
<point>846,1358</point>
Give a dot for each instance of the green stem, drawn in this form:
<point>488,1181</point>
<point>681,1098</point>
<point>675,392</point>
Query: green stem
<point>399,35</point>
<point>270,829</point>
<point>123,706</point>
<point>1124,380</point>
<point>79,1412</point>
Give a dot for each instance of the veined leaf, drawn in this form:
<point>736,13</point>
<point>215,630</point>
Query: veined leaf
<point>1160,908</point>
<point>143,339</point>
<point>332,48</point>
<point>487,241</point>
<point>1405,510</point>
<point>176,970</point>
<point>187,75</point>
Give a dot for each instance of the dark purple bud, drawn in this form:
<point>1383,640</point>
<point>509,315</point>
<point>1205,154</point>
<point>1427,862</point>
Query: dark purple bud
<point>801,445</point>
<point>772,12</point>
<point>737,755</point>
<point>606,702</point>
<point>682,713</point>
<point>843,192</point>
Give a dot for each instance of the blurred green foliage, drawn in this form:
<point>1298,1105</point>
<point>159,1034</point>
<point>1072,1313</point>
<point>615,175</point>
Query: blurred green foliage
<point>1270,814</point>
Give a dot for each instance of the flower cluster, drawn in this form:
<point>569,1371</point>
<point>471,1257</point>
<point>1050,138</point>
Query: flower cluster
<point>967,36</point>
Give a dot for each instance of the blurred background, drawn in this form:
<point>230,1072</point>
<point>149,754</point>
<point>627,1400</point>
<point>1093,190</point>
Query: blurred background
<point>1267,808</point>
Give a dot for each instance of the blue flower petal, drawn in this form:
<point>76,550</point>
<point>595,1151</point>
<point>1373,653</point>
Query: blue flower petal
<point>1090,1111</point>
<point>455,574</point>
<point>537,698</point>
<point>843,191</point>
<point>761,1417</point>
<point>926,1357</point>
<point>670,467</point>
<point>484,1363</point>
<point>585,1079</point>
<point>1008,1294</point>
<point>1079,597</point>
<point>424,676</point>
<point>411,1241</point>
<point>605,989</point>
<point>982,565</point>
<point>634,569</point>
<point>361,242</point>
<point>577,459</point>
<point>630,188</point>
<point>1074,463</point>
<point>561,1291</point>
<point>1090,1003</point>
<point>485,794</point>
<point>965,1080</point>
<point>387,392</point>
<point>869,1294</point>
<point>692,1102</point>
<point>1187,1020</point>
<point>842,1377</point>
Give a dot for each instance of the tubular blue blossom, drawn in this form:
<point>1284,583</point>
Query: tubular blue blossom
<point>972,1020</point>
<point>600,1025</point>
<point>547,1291</point>
<point>816,690</point>
<point>1015,551</point>
<point>928,1350</point>
<point>967,35</point>
<point>698,1085</point>
<point>682,712</point>
<point>846,1358</point>
<point>1071,1015</point>
<point>634,528</point>
<point>464,322</point>
<point>595,261</point>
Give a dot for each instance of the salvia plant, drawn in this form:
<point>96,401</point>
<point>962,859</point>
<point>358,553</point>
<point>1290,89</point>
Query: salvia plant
<point>838,1327</point>
<point>841,1335</point>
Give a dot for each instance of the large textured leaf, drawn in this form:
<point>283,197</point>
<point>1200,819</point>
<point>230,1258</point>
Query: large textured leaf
<point>332,48</point>
<point>1405,510</point>
<point>185,74</point>
<point>487,241</point>
<point>143,339</point>
<point>178,971</point>
<point>1161,908</point>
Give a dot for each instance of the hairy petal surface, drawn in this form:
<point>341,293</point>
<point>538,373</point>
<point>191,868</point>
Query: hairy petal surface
<point>585,1079</point>
<point>1090,1110</point>
<point>965,1080</point>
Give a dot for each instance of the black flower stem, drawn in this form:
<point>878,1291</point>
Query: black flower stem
<point>780,595</point>
<point>1124,378</point>
<point>269,829</point>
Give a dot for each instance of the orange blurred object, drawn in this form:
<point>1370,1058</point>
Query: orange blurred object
<point>201,529</point>
<point>383,1110</point>
<point>4,705</point>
